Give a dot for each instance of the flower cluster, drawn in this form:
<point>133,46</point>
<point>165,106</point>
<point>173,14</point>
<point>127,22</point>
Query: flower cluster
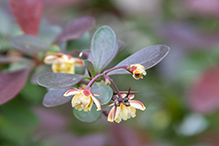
<point>124,108</point>
<point>62,63</point>
<point>99,90</point>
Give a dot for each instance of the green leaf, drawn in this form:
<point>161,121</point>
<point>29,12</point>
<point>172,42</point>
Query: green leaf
<point>55,98</point>
<point>58,80</point>
<point>148,57</point>
<point>103,90</point>
<point>90,67</point>
<point>28,43</point>
<point>103,47</point>
<point>89,116</point>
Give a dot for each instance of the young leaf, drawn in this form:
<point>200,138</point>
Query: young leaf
<point>27,14</point>
<point>55,97</point>
<point>58,80</point>
<point>103,47</point>
<point>90,67</point>
<point>147,57</point>
<point>12,83</point>
<point>105,92</point>
<point>75,29</point>
<point>89,116</point>
<point>28,43</point>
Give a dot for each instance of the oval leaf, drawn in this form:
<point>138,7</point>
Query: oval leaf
<point>147,57</point>
<point>105,92</point>
<point>58,80</point>
<point>12,83</point>
<point>103,47</point>
<point>89,116</point>
<point>90,67</point>
<point>75,29</point>
<point>55,97</point>
<point>28,43</point>
<point>28,14</point>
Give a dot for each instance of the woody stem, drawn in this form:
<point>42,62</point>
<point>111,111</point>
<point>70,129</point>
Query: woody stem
<point>114,85</point>
<point>92,81</point>
<point>114,68</point>
<point>104,74</point>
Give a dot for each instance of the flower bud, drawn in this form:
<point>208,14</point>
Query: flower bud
<point>137,70</point>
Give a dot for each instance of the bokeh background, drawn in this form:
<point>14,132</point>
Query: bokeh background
<point>181,93</point>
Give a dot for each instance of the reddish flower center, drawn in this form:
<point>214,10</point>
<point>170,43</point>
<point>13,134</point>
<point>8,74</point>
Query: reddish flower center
<point>133,69</point>
<point>86,92</point>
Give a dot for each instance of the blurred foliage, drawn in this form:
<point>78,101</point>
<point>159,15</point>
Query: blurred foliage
<point>191,31</point>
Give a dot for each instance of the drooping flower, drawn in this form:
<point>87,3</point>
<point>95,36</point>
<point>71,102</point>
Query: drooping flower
<point>62,63</point>
<point>124,109</point>
<point>137,70</point>
<point>83,99</point>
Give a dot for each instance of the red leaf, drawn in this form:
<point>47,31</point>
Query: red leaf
<point>204,95</point>
<point>11,83</point>
<point>75,29</point>
<point>27,14</point>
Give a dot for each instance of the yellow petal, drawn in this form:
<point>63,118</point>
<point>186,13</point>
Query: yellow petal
<point>79,107</point>
<point>50,59</point>
<point>85,100</point>
<point>75,100</point>
<point>72,92</point>
<point>133,111</point>
<point>111,114</point>
<point>118,118</point>
<point>131,96</point>
<point>137,104</point>
<point>89,106</point>
<point>124,112</point>
<point>97,102</point>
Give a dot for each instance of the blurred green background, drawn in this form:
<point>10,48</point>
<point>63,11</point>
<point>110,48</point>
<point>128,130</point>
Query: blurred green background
<point>181,93</point>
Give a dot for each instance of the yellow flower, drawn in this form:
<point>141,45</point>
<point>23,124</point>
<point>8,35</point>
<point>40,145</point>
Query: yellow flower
<point>62,63</point>
<point>124,109</point>
<point>137,70</point>
<point>83,99</point>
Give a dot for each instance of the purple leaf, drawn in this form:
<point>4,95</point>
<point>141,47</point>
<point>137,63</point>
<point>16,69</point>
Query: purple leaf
<point>147,57</point>
<point>55,98</point>
<point>12,83</point>
<point>58,80</point>
<point>28,43</point>
<point>5,59</point>
<point>75,29</point>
